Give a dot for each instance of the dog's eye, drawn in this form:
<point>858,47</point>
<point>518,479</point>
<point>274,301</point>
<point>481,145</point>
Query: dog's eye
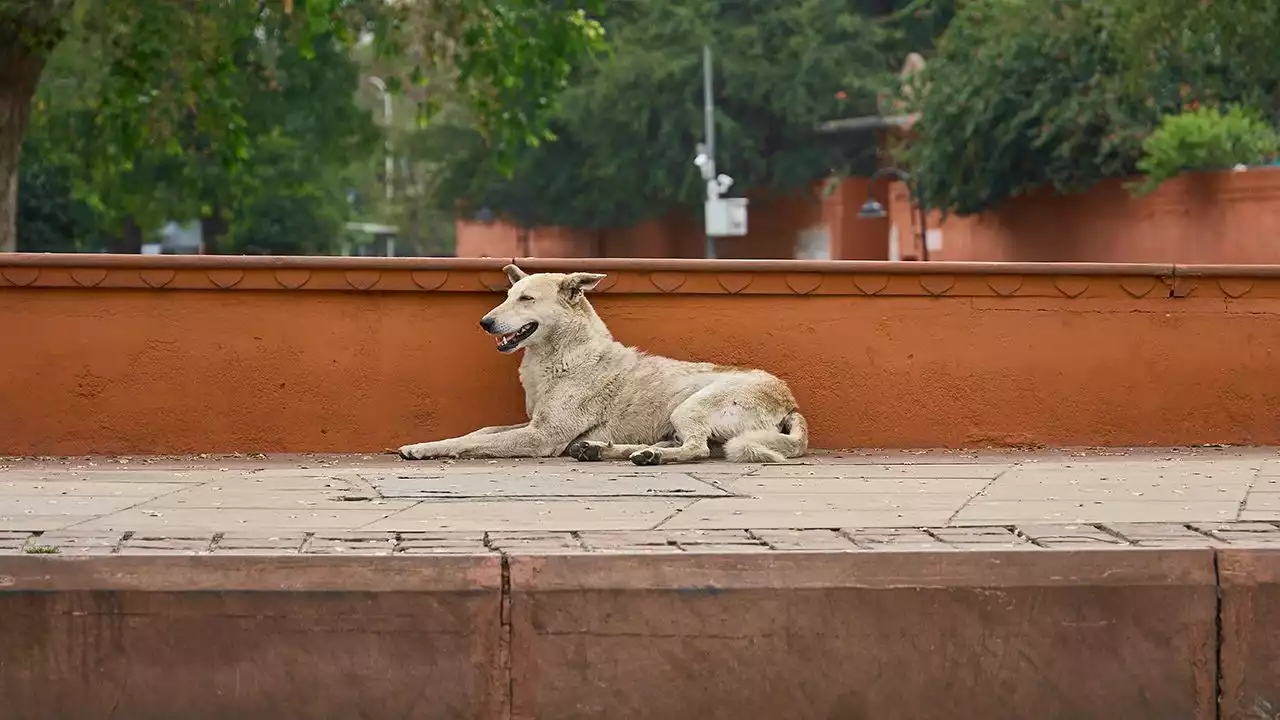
<point>526,298</point>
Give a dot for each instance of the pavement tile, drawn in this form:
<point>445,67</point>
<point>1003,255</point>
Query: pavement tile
<point>539,543</point>
<point>716,541</point>
<point>13,541</point>
<point>167,544</point>
<point>897,471</point>
<point>1109,491</point>
<point>1262,501</point>
<point>1242,533</point>
<point>15,505</point>
<point>631,541</point>
<point>1156,534</point>
<point>224,519</point>
<point>1068,536</point>
<point>259,543</point>
<point>987,512</point>
<point>71,543</point>
<point>560,514</point>
<point>541,484</point>
<point>802,512</point>
<point>238,497</point>
<point>79,487</point>
<point>35,522</point>
<point>893,539</point>
<point>100,476</point>
<point>1190,471</point>
<point>904,488</point>
<point>350,543</point>
<point>472,543</point>
<point>823,540</point>
<point>978,537</point>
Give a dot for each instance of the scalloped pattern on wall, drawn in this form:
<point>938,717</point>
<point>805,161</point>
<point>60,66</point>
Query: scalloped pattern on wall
<point>658,277</point>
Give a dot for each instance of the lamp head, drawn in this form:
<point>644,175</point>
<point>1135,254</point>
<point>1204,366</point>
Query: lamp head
<point>872,210</point>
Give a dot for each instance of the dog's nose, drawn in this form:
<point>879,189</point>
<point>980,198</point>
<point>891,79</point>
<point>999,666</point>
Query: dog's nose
<point>488,324</point>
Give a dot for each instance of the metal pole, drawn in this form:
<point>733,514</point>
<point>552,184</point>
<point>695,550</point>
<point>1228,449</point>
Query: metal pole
<point>389,166</point>
<point>709,130</point>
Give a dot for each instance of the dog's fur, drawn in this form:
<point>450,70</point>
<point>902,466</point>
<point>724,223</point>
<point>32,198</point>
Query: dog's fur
<point>591,397</point>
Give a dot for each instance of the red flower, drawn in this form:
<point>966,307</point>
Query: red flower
<point>841,95</point>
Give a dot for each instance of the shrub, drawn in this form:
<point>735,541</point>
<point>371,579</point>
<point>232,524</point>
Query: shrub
<point>1024,95</point>
<point>1205,137</point>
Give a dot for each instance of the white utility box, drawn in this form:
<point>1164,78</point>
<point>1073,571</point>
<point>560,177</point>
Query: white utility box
<point>726,217</point>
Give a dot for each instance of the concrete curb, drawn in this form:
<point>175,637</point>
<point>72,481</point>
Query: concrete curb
<point>1124,631</point>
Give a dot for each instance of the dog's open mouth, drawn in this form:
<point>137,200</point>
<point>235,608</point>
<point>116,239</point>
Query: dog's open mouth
<point>509,342</point>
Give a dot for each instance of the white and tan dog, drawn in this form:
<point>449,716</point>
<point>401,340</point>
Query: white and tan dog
<point>593,398</point>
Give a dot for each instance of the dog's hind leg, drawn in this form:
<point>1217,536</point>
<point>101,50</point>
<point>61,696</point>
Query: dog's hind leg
<point>733,410</point>
<point>591,450</point>
<point>692,421</point>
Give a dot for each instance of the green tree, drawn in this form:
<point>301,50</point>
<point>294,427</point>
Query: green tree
<point>301,129</point>
<point>628,126</point>
<point>1024,95</point>
<point>162,59</point>
<point>50,216</point>
<point>1233,42</point>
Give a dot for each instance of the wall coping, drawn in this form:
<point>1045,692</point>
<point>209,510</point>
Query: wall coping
<point>632,275</point>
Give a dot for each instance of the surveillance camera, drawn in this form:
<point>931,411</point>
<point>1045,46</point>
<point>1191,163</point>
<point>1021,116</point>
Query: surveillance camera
<point>701,160</point>
<point>725,181</point>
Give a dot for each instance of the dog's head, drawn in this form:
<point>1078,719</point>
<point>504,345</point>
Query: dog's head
<point>535,305</point>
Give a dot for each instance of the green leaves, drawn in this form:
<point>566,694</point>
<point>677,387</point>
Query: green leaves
<point>1205,138</point>
<point>627,124</point>
<point>1031,94</point>
<point>167,110</point>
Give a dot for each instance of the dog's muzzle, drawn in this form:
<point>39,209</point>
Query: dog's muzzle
<point>508,342</point>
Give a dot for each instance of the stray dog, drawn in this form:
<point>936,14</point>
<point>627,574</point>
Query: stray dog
<point>592,398</point>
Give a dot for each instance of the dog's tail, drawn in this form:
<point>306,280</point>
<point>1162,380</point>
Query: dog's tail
<point>790,440</point>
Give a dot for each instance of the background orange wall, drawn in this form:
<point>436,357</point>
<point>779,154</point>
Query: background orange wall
<point>773,224</point>
<point>142,354</point>
<point>1200,217</point>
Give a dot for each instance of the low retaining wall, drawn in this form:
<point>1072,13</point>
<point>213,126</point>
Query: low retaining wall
<point>154,354</point>
<point>1129,634</point>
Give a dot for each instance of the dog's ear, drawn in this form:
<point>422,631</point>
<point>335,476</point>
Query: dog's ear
<point>575,284</point>
<point>514,274</point>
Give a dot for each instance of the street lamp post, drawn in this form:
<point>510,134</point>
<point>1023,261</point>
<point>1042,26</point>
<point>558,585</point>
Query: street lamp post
<point>724,216</point>
<point>386,119</point>
<point>873,209</point>
<point>390,165</point>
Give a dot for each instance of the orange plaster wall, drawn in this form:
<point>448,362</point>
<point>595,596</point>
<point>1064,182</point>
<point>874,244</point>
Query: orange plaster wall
<point>141,354</point>
<point>1202,217</point>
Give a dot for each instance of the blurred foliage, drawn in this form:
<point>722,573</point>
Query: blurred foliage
<point>152,103</point>
<point>1203,138</point>
<point>50,217</point>
<point>297,129</point>
<point>628,125</point>
<point>1024,95</point>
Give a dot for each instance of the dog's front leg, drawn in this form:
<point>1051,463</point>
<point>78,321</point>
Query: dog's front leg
<point>495,429</point>
<point>527,441</point>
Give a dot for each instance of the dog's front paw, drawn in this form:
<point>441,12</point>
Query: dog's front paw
<point>585,450</point>
<point>648,456</point>
<point>420,451</point>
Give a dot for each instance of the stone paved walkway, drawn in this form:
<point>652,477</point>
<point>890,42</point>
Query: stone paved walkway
<point>826,502</point>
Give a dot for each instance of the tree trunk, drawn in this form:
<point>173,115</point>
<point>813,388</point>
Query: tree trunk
<point>129,241</point>
<point>28,32</point>
<point>212,228</point>
<point>17,86</point>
